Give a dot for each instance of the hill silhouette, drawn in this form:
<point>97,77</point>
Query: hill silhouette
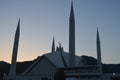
<point>22,66</point>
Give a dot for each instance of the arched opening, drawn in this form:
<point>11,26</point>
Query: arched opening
<point>59,75</point>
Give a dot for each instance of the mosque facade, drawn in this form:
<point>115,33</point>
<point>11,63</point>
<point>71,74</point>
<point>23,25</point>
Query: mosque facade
<point>58,64</point>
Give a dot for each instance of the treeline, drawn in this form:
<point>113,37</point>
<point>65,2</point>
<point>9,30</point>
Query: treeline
<point>22,66</point>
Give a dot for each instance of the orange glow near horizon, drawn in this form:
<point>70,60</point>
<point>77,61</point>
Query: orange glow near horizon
<point>22,56</point>
<point>25,53</point>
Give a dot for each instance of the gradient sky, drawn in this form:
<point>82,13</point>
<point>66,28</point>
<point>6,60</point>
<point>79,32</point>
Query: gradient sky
<point>43,19</point>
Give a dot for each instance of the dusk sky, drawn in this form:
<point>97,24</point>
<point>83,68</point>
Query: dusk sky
<point>40,20</point>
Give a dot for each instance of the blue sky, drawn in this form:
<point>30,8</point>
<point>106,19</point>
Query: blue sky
<point>43,19</point>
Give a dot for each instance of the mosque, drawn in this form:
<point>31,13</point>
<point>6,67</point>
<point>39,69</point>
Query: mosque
<point>58,64</point>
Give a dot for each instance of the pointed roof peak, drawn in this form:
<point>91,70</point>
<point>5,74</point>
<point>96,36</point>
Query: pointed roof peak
<point>18,27</point>
<point>97,31</point>
<point>72,11</point>
<point>18,23</point>
<point>53,37</point>
<point>19,19</point>
<point>53,45</point>
<point>53,40</point>
<point>71,2</point>
<point>98,39</point>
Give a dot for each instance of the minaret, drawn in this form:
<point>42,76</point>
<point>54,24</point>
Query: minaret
<point>99,62</point>
<point>71,38</point>
<point>53,45</point>
<point>15,50</point>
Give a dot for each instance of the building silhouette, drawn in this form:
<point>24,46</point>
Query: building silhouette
<point>58,64</point>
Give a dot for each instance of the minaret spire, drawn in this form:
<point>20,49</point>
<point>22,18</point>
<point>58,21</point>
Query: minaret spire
<point>53,45</point>
<point>72,12</point>
<point>72,37</point>
<point>99,62</point>
<point>15,50</point>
